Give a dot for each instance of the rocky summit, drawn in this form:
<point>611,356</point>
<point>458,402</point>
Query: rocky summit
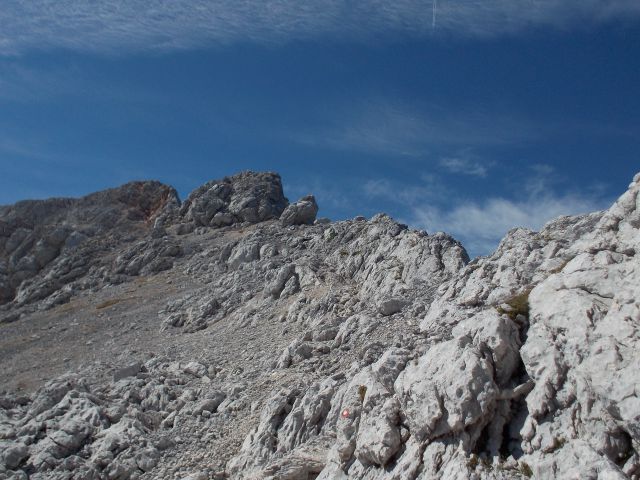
<point>236,336</point>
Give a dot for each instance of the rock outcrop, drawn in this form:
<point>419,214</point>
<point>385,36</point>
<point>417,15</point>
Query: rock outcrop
<point>50,249</point>
<point>246,197</point>
<point>47,244</point>
<point>358,349</point>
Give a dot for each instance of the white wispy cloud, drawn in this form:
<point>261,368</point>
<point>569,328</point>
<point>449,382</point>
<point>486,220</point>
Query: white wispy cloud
<point>491,17</point>
<point>22,83</point>
<point>27,83</point>
<point>430,188</point>
<point>481,223</point>
<point>464,165</point>
<point>386,126</point>
<point>18,147</point>
<point>114,26</point>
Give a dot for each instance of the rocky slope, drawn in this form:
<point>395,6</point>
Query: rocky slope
<point>236,336</point>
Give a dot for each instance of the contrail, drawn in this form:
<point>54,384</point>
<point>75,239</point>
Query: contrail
<point>435,12</point>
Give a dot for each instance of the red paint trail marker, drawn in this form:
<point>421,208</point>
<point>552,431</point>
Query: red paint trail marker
<point>345,413</point>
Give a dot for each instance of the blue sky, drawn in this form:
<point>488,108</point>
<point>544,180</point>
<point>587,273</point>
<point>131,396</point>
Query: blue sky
<point>468,116</point>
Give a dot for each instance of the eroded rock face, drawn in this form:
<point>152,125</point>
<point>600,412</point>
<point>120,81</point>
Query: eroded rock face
<point>246,197</point>
<point>53,248</point>
<point>528,367</point>
<point>582,352</point>
<point>358,349</point>
<point>115,430</point>
<point>47,244</point>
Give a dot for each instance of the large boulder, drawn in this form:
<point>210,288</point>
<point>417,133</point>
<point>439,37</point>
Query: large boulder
<point>246,197</point>
<point>302,212</point>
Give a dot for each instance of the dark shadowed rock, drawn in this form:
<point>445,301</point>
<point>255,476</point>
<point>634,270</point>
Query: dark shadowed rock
<point>128,371</point>
<point>246,197</point>
<point>389,306</point>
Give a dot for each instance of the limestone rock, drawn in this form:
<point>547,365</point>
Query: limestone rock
<point>128,371</point>
<point>302,212</point>
<point>389,306</point>
<point>44,236</point>
<point>14,455</point>
<point>356,349</point>
<point>246,197</point>
<point>209,404</point>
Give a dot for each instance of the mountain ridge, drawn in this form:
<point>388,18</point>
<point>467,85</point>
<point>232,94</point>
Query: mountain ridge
<point>234,335</point>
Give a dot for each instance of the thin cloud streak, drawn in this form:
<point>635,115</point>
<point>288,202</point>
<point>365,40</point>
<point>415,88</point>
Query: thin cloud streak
<point>431,188</point>
<point>118,26</point>
<point>25,84</point>
<point>16,146</point>
<point>464,166</point>
<point>387,127</point>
